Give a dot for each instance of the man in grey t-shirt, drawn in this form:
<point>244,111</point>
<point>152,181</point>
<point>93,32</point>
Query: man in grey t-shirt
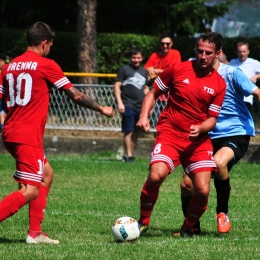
<point>130,88</point>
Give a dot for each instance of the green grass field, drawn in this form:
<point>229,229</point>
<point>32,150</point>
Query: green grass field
<point>90,192</point>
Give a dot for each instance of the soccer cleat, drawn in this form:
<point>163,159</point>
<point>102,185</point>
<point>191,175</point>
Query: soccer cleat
<point>224,225</point>
<point>42,238</point>
<point>186,233</point>
<point>196,228</point>
<point>128,159</point>
<point>142,227</point>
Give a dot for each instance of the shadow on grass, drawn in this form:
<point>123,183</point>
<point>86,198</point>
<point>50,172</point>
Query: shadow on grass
<point>158,232</point>
<point>11,241</point>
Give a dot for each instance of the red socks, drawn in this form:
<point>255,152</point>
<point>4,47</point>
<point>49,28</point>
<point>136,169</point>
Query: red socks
<point>11,204</point>
<point>196,209</point>
<point>36,210</point>
<point>149,196</point>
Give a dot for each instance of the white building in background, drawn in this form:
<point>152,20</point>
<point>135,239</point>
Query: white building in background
<point>242,19</point>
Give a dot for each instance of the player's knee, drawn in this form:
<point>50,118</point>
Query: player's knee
<point>158,173</point>
<point>220,162</point>
<point>30,193</point>
<point>157,177</point>
<point>47,176</point>
<point>202,191</point>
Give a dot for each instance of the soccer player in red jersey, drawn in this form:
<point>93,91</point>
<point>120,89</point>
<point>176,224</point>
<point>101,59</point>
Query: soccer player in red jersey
<point>26,84</point>
<point>196,92</point>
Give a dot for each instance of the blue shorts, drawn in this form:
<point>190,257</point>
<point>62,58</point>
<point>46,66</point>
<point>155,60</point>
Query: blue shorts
<point>130,119</point>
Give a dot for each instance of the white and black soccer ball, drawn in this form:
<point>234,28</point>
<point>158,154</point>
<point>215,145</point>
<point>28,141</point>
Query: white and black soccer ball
<point>125,229</point>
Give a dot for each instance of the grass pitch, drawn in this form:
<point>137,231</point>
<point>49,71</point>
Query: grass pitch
<point>90,192</point>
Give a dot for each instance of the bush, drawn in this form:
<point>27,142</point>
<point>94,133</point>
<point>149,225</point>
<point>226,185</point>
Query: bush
<point>113,48</point>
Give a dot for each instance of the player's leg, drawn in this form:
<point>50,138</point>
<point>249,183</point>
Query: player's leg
<point>150,191</point>
<point>37,209</point>
<point>198,203</point>
<point>164,159</point>
<point>186,196</point>
<point>222,184</point>
<point>229,151</point>
<point>198,163</point>
<point>28,174</point>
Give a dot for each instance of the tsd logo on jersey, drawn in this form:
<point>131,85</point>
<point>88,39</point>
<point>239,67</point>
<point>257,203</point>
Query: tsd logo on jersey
<point>209,90</point>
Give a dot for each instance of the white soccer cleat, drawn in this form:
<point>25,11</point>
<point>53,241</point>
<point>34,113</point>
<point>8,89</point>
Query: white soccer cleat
<point>41,239</point>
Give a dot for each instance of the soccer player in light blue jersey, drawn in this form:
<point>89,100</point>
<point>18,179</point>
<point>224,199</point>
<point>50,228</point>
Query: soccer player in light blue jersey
<point>230,139</point>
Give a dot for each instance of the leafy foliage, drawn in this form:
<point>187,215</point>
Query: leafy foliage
<point>116,16</point>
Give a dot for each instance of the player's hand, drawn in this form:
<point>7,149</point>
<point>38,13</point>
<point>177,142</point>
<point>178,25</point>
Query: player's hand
<point>121,108</point>
<point>151,73</point>
<point>107,111</point>
<point>143,124</point>
<point>194,132</point>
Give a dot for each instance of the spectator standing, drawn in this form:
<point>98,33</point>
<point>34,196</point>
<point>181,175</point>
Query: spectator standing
<point>249,66</point>
<point>196,92</point>
<point>4,59</point>
<point>26,84</point>
<point>130,88</point>
<point>156,64</point>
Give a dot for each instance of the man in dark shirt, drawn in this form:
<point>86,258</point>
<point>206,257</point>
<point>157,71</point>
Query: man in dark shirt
<point>130,88</point>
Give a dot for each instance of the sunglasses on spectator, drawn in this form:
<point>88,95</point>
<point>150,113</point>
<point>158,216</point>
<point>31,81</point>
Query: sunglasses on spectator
<point>165,43</point>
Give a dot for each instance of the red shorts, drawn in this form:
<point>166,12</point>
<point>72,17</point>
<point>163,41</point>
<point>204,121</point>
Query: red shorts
<point>29,162</point>
<point>175,148</point>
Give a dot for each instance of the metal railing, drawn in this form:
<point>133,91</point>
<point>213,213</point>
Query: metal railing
<point>64,114</point>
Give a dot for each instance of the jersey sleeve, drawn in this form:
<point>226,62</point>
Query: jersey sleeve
<point>216,104</point>
<point>55,75</point>
<point>150,62</point>
<point>1,86</point>
<point>242,83</point>
<point>176,57</point>
<point>164,82</point>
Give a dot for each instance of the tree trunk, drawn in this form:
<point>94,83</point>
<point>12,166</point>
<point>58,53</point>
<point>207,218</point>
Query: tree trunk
<point>87,35</point>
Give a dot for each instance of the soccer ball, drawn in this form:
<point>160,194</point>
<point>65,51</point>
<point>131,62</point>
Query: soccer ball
<point>125,229</point>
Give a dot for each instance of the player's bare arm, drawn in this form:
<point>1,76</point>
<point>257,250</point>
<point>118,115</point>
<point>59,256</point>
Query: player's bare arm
<point>147,106</point>
<point>120,104</point>
<point>255,78</point>
<point>85,101</point>
<point>205,127</point>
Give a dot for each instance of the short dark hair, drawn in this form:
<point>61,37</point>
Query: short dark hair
<point>135,50</point>
<point>165,35</point>
<point>211,37</point>
<point>38,33</point>
<point>4,57</point>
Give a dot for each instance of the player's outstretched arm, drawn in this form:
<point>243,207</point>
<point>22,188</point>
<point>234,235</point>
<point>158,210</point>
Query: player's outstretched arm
<point>85,101</point>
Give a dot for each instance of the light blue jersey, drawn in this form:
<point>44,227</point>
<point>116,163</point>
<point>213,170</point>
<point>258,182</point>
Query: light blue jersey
<point>234,118</point>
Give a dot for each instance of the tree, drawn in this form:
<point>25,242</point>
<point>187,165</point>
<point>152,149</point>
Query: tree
<point>180,17</point>
<point>86,34</point>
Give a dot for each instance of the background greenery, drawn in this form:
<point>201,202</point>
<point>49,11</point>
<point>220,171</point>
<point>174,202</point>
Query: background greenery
<point>90,192</point>
<point>113,48</point>
<point>116,16</point>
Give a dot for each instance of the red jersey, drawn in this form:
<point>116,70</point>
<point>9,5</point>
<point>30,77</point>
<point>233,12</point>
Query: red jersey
<point>1,86</point>
<point>162,62</point>
<point>192,98</point>
<point>27,81</point>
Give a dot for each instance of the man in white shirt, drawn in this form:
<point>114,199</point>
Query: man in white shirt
<point>249,66</point>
